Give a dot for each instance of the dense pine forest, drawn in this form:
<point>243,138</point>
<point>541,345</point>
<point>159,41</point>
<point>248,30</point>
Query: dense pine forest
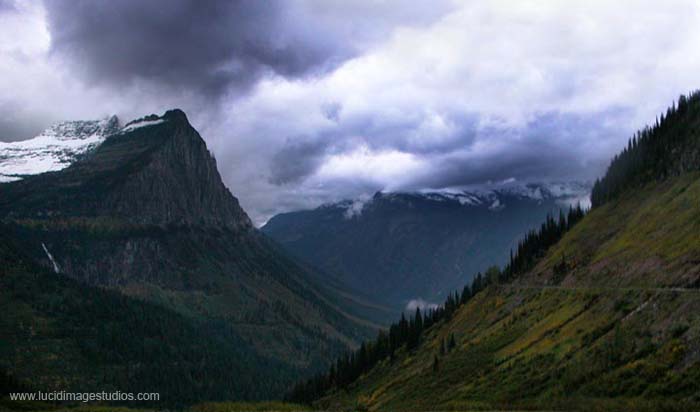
<point>109,341</point>
<point>668,148</point>
<point>407,332</point>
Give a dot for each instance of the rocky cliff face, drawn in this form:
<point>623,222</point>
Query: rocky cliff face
<point>147,215</point>
<point>179,184</point>
<point>156,170</point>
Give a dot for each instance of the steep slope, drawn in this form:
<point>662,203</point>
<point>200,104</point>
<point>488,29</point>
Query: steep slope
<point>607,319</point>
<point>58,334</point>
<point>146,214</point>
<point>155,171</point>
<point>401,247</point>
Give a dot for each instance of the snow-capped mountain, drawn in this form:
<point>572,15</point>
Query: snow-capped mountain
<point>405,246</point>
<point>55,148</point>
<point>146,214</point>
<point>495,197</point>
<point>563,192</point>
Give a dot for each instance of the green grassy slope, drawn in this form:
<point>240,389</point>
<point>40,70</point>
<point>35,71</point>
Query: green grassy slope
<point>645,238</point>
<point>619,329</point>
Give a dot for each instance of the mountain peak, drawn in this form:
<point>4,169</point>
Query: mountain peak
<point>153,171</point>
<point>176,115</point>
<point>493,197</point>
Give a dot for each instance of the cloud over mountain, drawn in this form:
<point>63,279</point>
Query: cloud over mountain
<point>310,101</point>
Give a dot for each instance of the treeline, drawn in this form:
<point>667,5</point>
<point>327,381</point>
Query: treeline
<point>668,148</point>
<point>405,333</point>
<point>408,332</point>
<point>536,242</point>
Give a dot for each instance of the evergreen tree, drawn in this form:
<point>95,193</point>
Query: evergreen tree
<point>407,332</point>
<point>668,148</point>
<point>466,294</point>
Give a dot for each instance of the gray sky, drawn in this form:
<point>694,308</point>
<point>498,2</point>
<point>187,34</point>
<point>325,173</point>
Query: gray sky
<point>304,102</point>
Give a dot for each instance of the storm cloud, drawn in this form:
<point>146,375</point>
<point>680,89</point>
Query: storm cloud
<point>7,6</point>
<point>305,102</point>
<point>206,47</point>
<point>215,48</point>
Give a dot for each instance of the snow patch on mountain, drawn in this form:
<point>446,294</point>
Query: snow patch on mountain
<point>5,179</point>
<point>494,197</point>
<point>56,268</point>
<point>137,124</point>
<point>54,149</point>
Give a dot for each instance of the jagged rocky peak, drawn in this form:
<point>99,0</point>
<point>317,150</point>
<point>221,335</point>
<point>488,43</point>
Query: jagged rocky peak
<point>154,170</point>
<point>55,148</point>
<point>180,183</point>
<point>83,129</point>
<point>176,115</point>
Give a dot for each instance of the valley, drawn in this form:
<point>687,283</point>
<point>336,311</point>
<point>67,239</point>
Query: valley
<point>349,206</point>
<point>143,225</point>
<point>114,277</point>
<point>415,248</point>
<point>604,319</point>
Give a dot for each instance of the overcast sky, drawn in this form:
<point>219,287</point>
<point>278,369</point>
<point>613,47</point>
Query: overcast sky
<point>305,102</point>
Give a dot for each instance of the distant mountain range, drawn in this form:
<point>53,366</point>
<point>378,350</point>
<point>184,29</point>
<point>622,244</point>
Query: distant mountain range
<point>128,265</point>
<point>133,266</point>
<point>595,312</point>
<point>411,249</point>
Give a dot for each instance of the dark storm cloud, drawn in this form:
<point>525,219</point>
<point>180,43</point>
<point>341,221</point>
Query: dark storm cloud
<point>12,130</point>
<point>538,160</point>
<point>331,111</point>
<point>298,158</point>
<point>307,101</point>
<point>7,5</point>
<point>18,124</point>
<point>415,133</point>
<point>553,146</point>
<point>206,47</point>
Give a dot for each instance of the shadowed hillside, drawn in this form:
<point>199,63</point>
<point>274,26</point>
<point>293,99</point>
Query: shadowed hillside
<point>605,319</point>
<point>145,221</point>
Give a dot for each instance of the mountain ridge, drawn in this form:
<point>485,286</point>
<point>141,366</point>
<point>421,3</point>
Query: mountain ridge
<point>428,243</point>
<point>158,173</point>
<point>146,215</point>
<point>596,315</point>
